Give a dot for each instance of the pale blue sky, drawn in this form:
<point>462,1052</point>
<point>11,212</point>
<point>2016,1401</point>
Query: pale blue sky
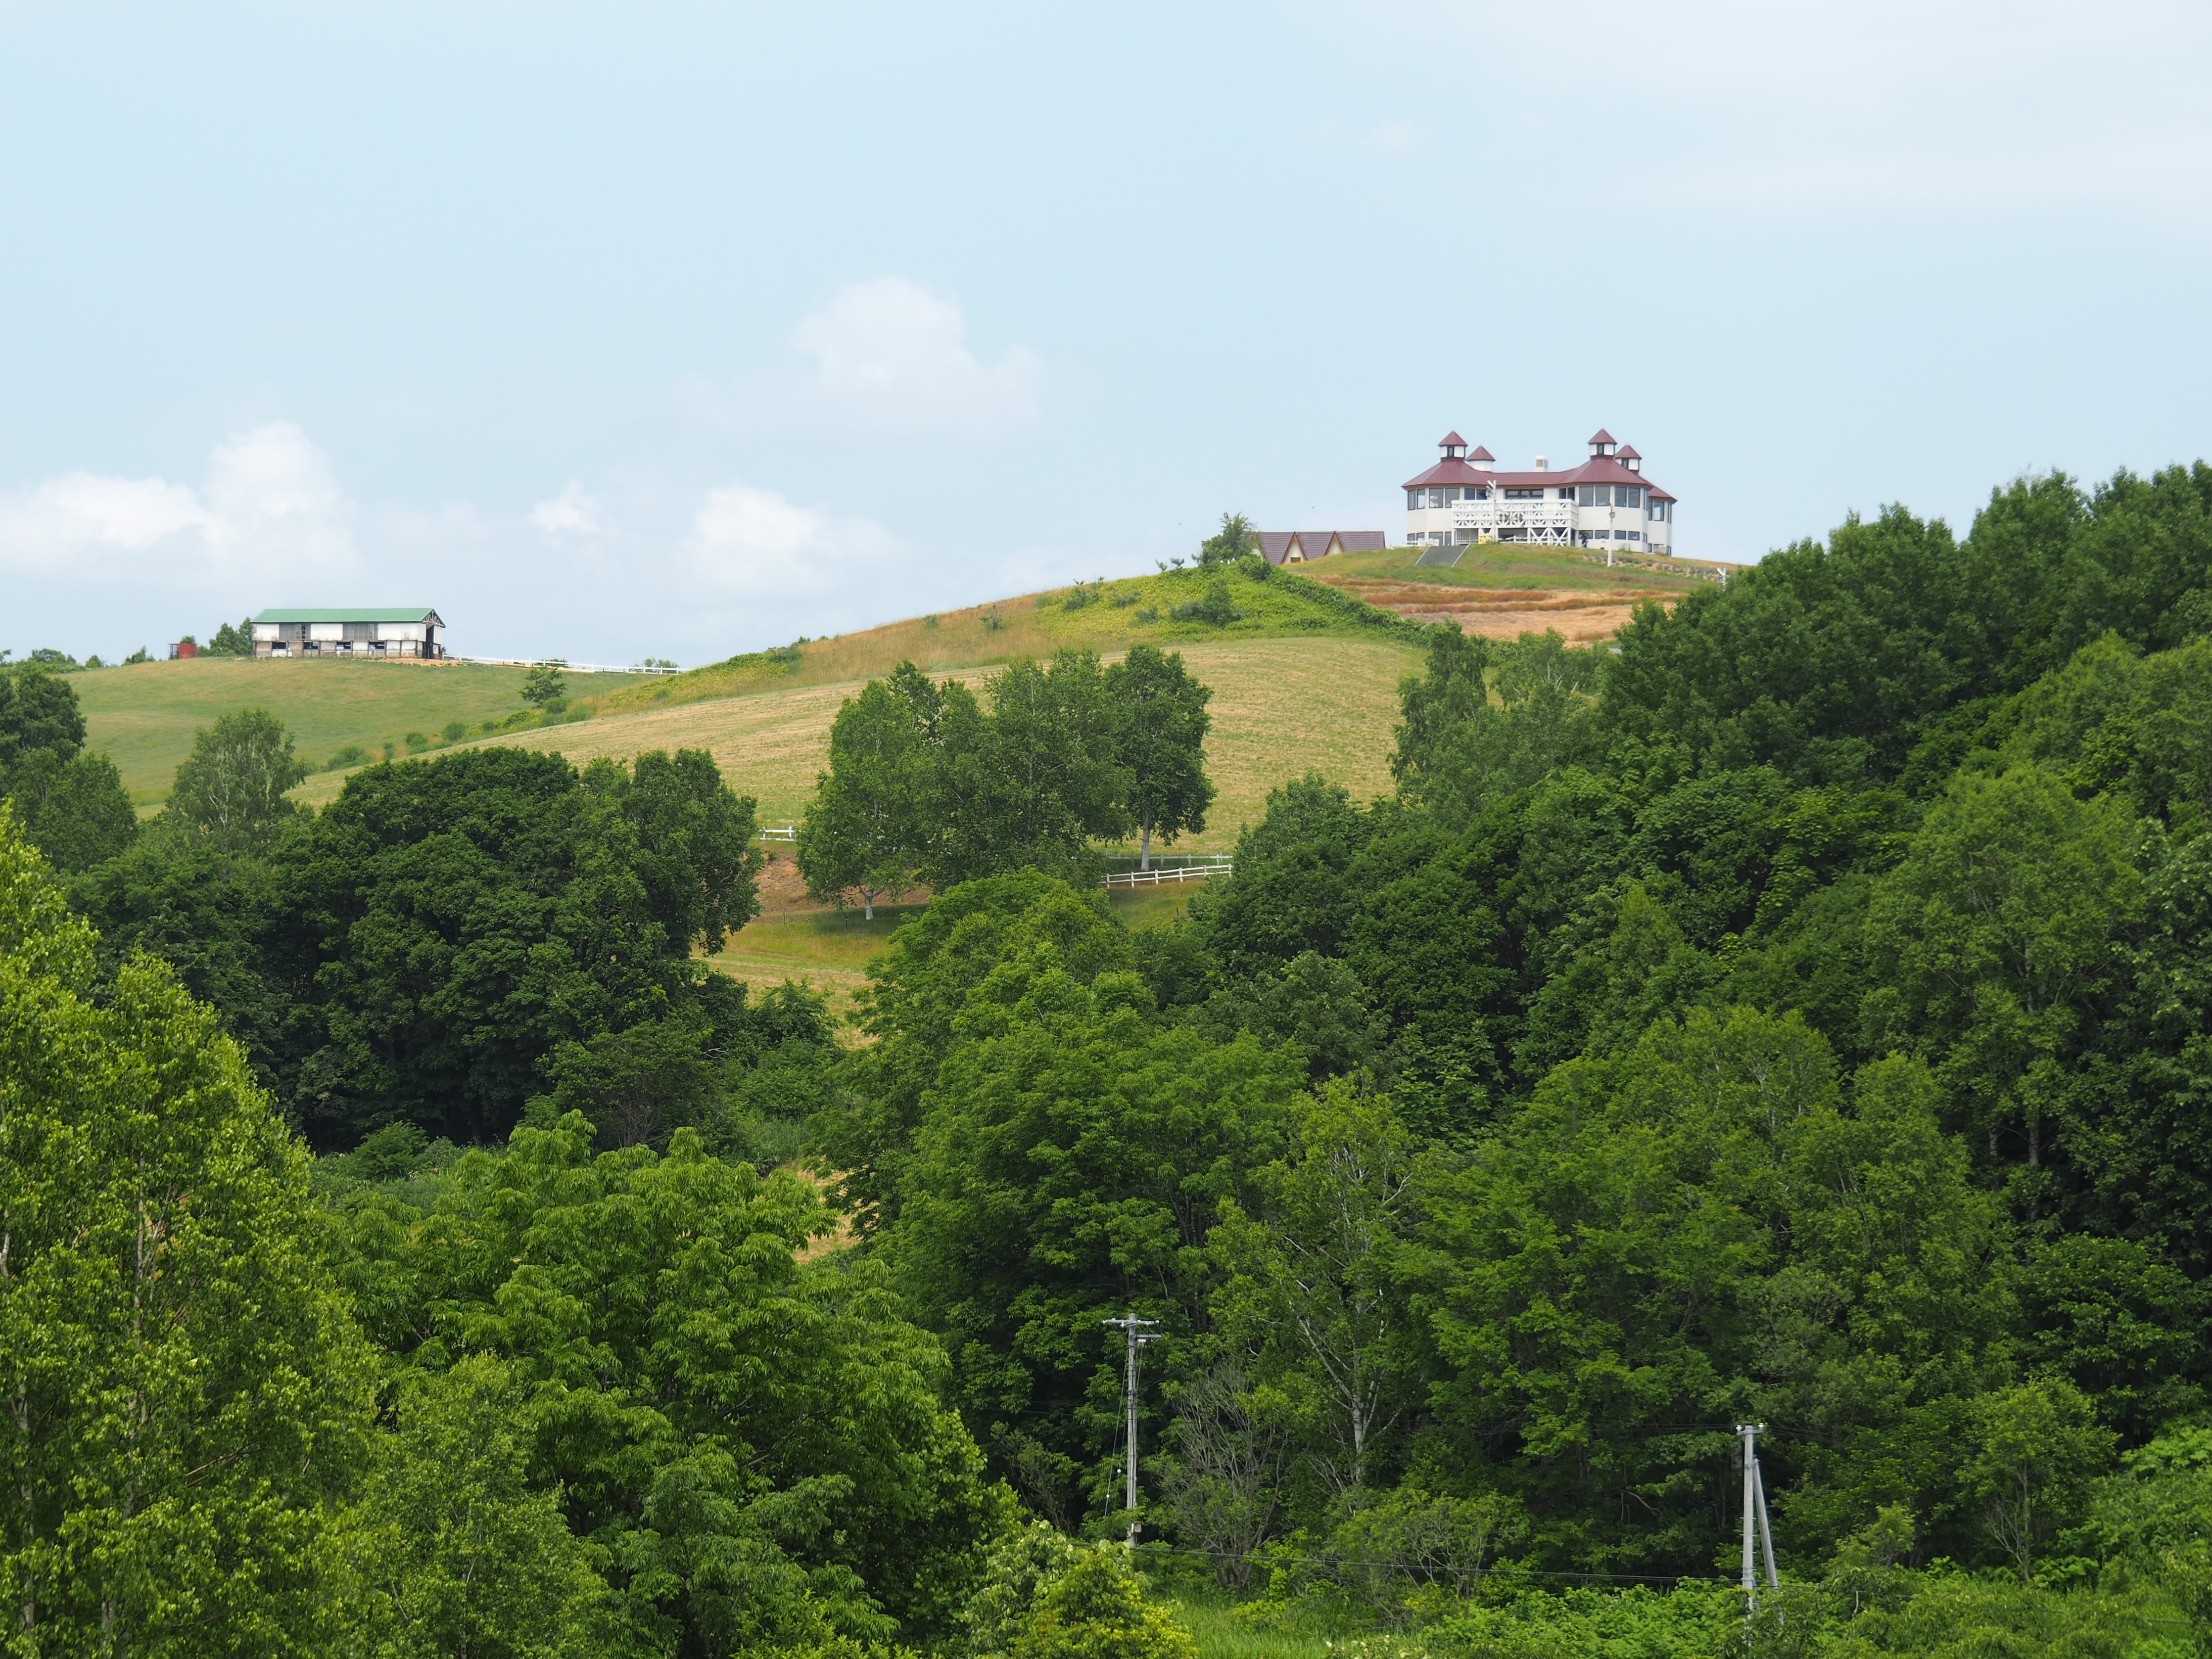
<point>681,329</point>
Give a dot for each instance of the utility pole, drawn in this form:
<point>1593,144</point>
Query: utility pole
<point>1137,1330</point>
<point>1754,1508</point>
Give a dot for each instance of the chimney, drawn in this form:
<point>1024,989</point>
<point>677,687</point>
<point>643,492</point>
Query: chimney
<point>1543,464</point>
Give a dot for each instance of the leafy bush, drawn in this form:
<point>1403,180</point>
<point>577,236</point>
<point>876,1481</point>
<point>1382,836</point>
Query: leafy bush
<point>455,731</point>
<point>1215,607</point>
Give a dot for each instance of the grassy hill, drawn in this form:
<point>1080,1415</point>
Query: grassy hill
<point>1280,707</point>
<point>1107,616</point>
<point>145,716</point>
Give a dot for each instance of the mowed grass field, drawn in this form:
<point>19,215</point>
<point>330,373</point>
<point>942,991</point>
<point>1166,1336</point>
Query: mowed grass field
<point>144,715</point>
<point>1281,708</point>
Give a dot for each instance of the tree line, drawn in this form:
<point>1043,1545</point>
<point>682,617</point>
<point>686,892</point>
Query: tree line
<point>930,783</point>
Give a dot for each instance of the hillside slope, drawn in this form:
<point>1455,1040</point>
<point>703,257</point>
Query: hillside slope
<point>1106,616</point>
<point>1281,707</point>
<point>1502,590</point>
<point>144,715</point>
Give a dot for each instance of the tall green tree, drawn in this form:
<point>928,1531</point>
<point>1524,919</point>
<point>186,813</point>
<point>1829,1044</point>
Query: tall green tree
<point>1995,937</point>
<point>1313,1280</point>
<point>70,801</point>
<point>444,925</point>
<point>1038,779</point>
<point>870,825</point>
<point>184,1399</point>
<point>1072,1155</point>
<point>697,841</point>
<point>1160,741</point>
<point>230,791</point>
<point>1236,539</point>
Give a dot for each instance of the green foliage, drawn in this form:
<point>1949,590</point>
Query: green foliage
<point>752,1452</point>
<point>187,1400</point>
<point>986,939</point>
<point>442,927</point>
<point>1214,607</point>
<point>351,756</point>
<point>544,686</point>
<point>229,794</point>
<point>231,640</point>
<point>1043,1597</point>
<point>871,826</point>
<point>1161,741</point>
<point>1236,539</point>
<point>927,783</point>
<point>1310,1283</point>
<point>454,1548</point>
<point>70,801</point>
<point>1995,936</point>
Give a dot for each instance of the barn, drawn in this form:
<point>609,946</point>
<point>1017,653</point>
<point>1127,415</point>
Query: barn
<point>405,632</point>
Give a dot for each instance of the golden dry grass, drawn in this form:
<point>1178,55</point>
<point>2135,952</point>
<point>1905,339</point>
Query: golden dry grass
<point>1121,613</point>
<point>1281,708</point>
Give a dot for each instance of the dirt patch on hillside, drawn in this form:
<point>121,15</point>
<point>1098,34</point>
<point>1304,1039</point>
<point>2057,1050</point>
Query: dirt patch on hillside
<point>1503,613</point>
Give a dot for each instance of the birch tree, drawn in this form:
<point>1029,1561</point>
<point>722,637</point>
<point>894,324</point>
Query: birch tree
<point>1309,1278</point>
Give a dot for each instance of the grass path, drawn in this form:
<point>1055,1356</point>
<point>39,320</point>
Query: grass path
<point>1281,707</point>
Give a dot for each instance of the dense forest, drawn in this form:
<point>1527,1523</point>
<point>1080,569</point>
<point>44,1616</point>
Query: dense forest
<point>1797,1014</point>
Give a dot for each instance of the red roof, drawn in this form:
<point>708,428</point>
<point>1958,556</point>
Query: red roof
<point>1603,437</point>
<point>1483,455</point>
<point>1598,469</point>
<point>1451,440</point>
<point>1627,452</point>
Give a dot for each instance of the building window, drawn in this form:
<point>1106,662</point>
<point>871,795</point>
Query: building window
<point>1524,495</point>
<point>1635,535</point>
<point>1412,500</point>
<point>1627,496</point>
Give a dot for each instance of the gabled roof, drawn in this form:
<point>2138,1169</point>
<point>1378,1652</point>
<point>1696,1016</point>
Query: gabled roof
<point>363,614</point>
<point>1598,469</point>
<point>1450,472</point>
<point>1275,545</point>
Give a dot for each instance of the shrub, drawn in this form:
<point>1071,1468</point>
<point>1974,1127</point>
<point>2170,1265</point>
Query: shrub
<point>416,741</point>
<point>455,731</point>
<point>352,755</point>
<point>1215,607</point>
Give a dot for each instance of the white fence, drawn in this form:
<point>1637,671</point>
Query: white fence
<point>788,832</point>
<point>1181,872</point>
<point>556,662</point>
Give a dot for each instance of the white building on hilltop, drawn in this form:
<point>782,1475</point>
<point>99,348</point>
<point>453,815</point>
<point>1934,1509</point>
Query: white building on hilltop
<point>1607,500</point>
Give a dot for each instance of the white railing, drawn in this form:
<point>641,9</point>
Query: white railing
<point>1181,872</point>
<point>556,662</point>
<point>788,832</point>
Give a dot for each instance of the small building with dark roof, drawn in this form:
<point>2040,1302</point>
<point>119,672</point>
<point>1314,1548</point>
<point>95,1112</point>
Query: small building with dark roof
<point>406,631</point>
<point>1606,501</point>
<point>1302,546</point>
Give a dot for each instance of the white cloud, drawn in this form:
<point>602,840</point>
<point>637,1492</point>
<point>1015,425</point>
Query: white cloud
<point>571,512</point>
<point>884,358</point>
<point>772,550</point>
<point>269,504</point>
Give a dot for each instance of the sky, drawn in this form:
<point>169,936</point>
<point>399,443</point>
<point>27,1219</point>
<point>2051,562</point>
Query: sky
<point>618,330</point>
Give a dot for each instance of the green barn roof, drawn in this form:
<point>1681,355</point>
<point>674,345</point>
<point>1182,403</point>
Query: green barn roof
<point>401,613</point>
